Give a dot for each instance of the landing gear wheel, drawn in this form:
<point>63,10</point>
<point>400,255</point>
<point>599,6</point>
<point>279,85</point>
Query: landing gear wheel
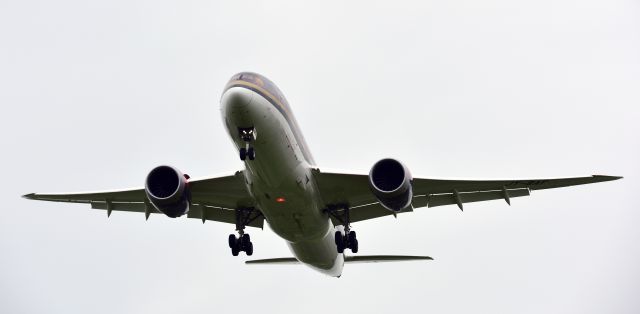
<point>251,153</point>
<point>245,240</point>
<point>235,250</point>
<point>339,238</point>
<point>243,153</point>
<point>232,241</point>
<point>353,241</point>
<point>244,244</point>
<point>353,245</point>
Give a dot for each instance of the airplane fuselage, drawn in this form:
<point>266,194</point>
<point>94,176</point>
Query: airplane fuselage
<point>279,177</point>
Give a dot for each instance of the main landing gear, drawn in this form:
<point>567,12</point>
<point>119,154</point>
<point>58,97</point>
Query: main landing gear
<point>248,135</point>
<point>348,239</point>
<point>242,243</point>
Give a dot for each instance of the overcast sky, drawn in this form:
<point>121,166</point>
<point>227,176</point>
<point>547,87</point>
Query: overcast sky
<point>96,93</point>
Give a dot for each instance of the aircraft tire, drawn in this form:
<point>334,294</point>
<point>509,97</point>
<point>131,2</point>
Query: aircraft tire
<point>249,249</point>
<point>243,153</point>
<point>339,238</point>
<point>354,246</point>
<point>245,240</point>
<point>232,241</point>
<point>353,241</point>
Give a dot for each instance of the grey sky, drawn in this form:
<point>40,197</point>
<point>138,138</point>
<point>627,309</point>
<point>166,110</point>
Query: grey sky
<point>95,94</point>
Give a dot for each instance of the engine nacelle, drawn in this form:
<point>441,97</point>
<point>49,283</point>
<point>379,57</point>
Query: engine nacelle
<point>390,182</point>
<point>167,189</point>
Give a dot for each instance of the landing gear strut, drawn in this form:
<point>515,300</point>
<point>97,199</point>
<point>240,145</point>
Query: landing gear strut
<point>242,243</point>
<point>248,135</point>
<point>348,240</point>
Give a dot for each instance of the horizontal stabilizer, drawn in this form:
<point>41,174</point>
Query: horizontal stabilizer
<point>347,259</point>
<point>280,260</point>
<point>383,258</point>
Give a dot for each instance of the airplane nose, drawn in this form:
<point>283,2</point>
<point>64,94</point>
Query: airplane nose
<point>238,98</point>
<point>236,106</point>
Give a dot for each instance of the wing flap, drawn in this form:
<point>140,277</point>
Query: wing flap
<point>121,206</point>
<point>368,211</point>
<point>220,214</point>
<point>434,200</point>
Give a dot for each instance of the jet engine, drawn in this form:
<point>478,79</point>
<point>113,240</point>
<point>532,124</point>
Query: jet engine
<point>168,190</point>
<point>390,182</point>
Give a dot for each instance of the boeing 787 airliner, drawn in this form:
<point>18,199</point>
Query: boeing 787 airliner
<point>312,210</point>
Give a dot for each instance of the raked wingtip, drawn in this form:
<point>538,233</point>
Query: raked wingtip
<point>607,178</point>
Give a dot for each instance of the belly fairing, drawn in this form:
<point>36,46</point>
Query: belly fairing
<point>320,254</point>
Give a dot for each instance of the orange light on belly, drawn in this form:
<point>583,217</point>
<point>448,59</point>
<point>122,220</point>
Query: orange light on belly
<point>280,200</point>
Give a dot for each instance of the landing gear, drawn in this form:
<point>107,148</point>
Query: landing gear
<point>242,243</point>
<point>348,240</point>
<point>247,152</point>
<point>248,135</point>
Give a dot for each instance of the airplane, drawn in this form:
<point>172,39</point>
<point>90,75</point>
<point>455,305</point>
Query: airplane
<point>311,209</point>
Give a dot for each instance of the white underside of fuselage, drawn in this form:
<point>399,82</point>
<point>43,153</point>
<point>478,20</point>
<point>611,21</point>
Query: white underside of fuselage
<point>280,171</point>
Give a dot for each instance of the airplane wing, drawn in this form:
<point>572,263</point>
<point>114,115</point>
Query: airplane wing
<point>353,189</point>
<point>212,199</point>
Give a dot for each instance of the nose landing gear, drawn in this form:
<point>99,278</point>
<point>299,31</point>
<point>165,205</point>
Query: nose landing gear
<point>248,135</point>
<point>247,152</point>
